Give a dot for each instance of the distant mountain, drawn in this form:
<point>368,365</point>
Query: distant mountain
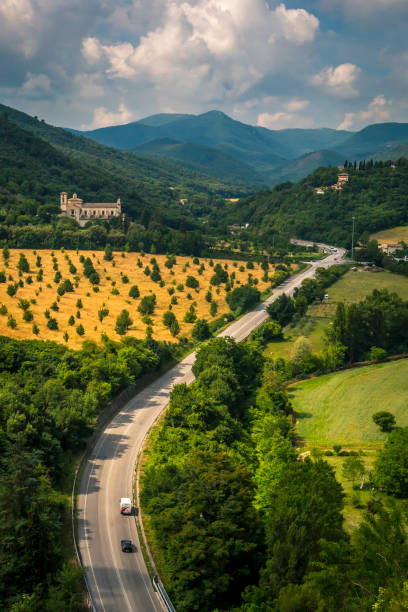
<point>152,178</point>
<point>380,137</point>
<point>162,119</point>
<point>203,159</point>
<point>397,152</point>
<point>306,164</point>
<point>306,141</point>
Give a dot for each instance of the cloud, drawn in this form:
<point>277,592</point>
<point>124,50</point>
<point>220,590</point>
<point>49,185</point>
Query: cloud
<point>378,111</point>
<point>217,49</point>
<point>104,118</point>
<point>338,81</point>
<point>288,117</point>
<point>35,86</point>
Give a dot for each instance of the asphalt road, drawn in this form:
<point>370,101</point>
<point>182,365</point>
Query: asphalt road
<point>119,582</point>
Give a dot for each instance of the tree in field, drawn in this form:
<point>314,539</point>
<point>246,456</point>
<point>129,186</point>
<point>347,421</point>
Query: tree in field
<point>147,304</point>
<point>80,330</point>
<point>123,322</point>
<point>213,309</point>
<point>201,330</point>
<point>23,264</point>
<point>302,349</point>
<point>52,323</point>
<point>168,318</point>
<point>190,315</point>
<point>79,303</point>
<point>208,296</point>
<point>391,467</point>
<point>134,292</point>
<point>192,282</point>
<point>353,468</point>
<point>175,328</point>
<point>11,322</point>
<point>71,320</point>
<point>102,313</point>
<point>385,420</point>
<point>6,253</point>
<point>108,255</point>
<point>36,331</point>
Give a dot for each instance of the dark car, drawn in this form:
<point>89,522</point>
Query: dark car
<point>126,545</point>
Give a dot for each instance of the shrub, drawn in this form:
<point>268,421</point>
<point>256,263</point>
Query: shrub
<point>29,280</point>
<point>28,316</point>
<point>72,269</point>
<point>147,304</point>
<point>23,304</point>
<point>102,313</point>
<point>2,277</point>
<point>23,264</point>
<point>71,320</point>
<point>94,278</point>
<point>11,322</point>
<point>36,330</point>
<point>190,316</point>
<point>57,277</point>
<point>201,330</point>
<point>376,353</point>
<point>180,287</point>
<point>123,322</point>
<point>174,300</point>
<point>147,271</point>
<point>192,282</point>
<point>40,275</point>
<point>79,303</point>
<point>134,292</point>
<point>168,318</point>
<point>54,306</point>
<point>3,309</point>
<point>115,291</point>
<point>208,296</point>
<point>125,279</point>
<point>213,309</point>
<point>385,420</point>
<point>108,255</point>
<point>80,330</point>
<point>52,323</point>
<point>12,289</point>
<point>175,328</point>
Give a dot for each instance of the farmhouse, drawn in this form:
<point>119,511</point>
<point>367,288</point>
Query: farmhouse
<point>342,179</point>
<point>81,211</point>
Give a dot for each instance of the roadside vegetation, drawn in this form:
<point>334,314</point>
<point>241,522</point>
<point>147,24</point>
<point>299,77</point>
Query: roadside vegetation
<point>50,398</point>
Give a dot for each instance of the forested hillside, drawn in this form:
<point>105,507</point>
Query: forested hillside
<point>376,195</point>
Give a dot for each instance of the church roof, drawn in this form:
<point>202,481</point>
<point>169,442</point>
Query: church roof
<point>100,205</point>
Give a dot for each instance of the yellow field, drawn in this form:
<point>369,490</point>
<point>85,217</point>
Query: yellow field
<point>45,294</point>
<point>393,235</point>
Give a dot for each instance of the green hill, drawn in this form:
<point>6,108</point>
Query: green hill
<point>374,138</point>
<point>304,165</point>
<point>375,196</point>
<point>203,159</point>
<point>152,178</point>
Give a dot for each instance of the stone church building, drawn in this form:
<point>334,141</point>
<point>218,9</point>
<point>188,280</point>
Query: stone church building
<point>81,211</point>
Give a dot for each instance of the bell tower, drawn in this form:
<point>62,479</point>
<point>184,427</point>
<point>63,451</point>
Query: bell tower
<point>63,201</point>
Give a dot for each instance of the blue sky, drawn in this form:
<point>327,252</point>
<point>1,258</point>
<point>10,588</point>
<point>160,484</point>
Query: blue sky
<point>310,63</point>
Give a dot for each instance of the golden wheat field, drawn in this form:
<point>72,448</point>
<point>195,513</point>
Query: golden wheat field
<point>43,294</point>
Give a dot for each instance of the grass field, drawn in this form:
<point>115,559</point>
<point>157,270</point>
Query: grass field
<point>393,235</point>
<point>352,287</point>
<point>43,294</point>
<point>337,408</point>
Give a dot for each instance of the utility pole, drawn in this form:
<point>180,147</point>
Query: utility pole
<point>352,240</point>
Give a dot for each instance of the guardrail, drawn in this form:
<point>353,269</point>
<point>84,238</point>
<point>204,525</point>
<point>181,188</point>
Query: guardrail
<point>162,592</point>
<point>90,602</point>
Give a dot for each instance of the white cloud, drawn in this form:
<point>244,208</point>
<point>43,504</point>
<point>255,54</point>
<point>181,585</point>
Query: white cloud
<point>338,81</point>
<point>104,118</point>
<point>214,49</point>
<point>289,117</point>
<point>378,111</point>
<point>35,86</point>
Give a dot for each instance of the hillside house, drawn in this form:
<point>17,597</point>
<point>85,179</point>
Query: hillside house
<point>342,179</point>
<point>81,211</point>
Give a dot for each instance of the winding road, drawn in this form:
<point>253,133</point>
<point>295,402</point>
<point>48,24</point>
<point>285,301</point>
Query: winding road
<point>119,582</point>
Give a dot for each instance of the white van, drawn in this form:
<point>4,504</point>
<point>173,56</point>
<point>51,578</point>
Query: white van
<point>125,505</point>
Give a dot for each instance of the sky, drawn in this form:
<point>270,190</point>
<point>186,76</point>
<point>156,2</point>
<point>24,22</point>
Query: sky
<point>87,64</point>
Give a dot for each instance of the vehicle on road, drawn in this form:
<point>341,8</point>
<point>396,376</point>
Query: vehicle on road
<point>125,505</point>
<point>126,545</point>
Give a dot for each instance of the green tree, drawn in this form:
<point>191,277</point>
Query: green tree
<point>192,282</point>
<point>175,328</point>
<point>108,254</point>
<point>123,322</point>
<point>391,467</point>
<point>213,309</point>
<point>52,323</point>
<point>243,297</point>
<point>385,420</point>
<point>353,468</point>
<point>102,313</point>
<point>80,330</point>
<point>201,330</point>
<point>134,292</point>
<point>168,318</point>
<point>23,264</point>
<point>147,304</point>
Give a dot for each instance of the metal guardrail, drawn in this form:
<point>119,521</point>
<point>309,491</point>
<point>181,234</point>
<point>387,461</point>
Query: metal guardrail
<point>90,601</point>
<point>163,594</point>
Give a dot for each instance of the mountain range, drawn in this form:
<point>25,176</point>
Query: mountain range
<point>222,147</point>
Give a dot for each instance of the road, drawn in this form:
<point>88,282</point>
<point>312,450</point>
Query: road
<point>118,581</point>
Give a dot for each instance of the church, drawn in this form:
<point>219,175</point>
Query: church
<point>81,211</point>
